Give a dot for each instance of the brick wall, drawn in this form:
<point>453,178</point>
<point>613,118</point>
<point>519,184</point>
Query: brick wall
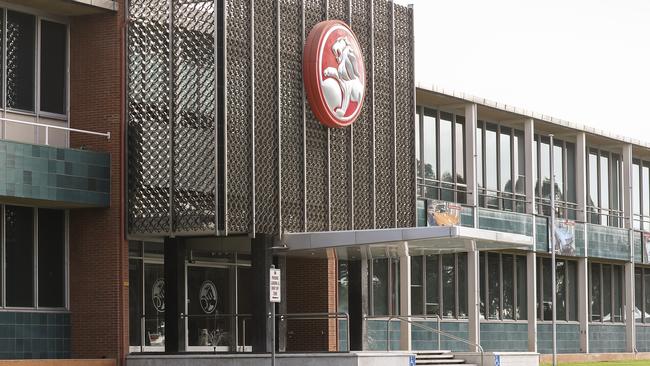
<point>98,251</point>
<point>311,288</point>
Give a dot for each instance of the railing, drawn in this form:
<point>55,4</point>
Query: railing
<point>48,127</point>
<point>439,332</point>
<point>236,317</point>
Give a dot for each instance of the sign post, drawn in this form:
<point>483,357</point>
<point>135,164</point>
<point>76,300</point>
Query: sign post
<point>274,297</point>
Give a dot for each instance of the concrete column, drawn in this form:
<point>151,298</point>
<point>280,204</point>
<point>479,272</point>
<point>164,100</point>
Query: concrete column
<point>581,176</point>
<point>174,262</point>
<point>473,297</point>
<point>531,265</point>
<point>583,304</point>
<point>261,260</point>
<point>630,332</point>
<point>529,143</point>
<point>405,297</point>
<point>471,158</point>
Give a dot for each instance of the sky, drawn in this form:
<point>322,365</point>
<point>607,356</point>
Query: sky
<point>585,61</point>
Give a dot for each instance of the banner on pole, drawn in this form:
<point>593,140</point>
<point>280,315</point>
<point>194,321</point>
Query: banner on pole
<point>565,237</point>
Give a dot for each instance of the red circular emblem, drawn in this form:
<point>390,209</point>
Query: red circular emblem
<point>334,74</point>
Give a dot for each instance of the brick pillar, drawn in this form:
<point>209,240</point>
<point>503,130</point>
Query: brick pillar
<point>98,249</point>
<point>312,288</point>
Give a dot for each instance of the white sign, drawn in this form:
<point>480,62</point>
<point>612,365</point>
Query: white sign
<point>274,285</point>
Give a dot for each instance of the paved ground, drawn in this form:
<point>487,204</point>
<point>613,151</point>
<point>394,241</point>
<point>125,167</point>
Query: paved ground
<point>606,363</point>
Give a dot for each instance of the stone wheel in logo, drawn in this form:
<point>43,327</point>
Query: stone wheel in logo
<point>334,74</point>
<point>208,297</point>
<point>158,295</point>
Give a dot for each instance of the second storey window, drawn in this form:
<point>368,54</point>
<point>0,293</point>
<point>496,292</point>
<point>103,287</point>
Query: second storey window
<point>564,168</point>
<point>606,292</point>
<point>641,194</point>
<point>440,155</point>
<point>604,188</point>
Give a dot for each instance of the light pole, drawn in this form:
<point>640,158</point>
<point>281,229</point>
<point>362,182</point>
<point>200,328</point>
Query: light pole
<point>552,246</point>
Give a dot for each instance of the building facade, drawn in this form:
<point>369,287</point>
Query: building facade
<point>157,157</point>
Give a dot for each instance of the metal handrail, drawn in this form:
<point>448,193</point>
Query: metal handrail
<point>47,127</point>
<point>318,316</point>
<point>439,332</point>
<point>234,316</point>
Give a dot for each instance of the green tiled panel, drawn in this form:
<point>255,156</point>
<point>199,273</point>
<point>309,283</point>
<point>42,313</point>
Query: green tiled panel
<point>642,338</point>
<point>606,338</point>
<point>504,337</point>
<point>580,239</point>
<point>62,177</point>
<point>541,234</point>
<point>467,217</point>
<point>377,335</point>
<point>34,335</point>
<point>425,340</point>
<point>343,335</point>
<point>608,242</point>
<point>508,222</point>
<point>568,338</point>
<point>638,247</point>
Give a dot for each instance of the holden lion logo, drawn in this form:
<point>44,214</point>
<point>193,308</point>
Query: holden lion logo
<point>208,297</point>
<point>334,74</point>
<point>158,295</point>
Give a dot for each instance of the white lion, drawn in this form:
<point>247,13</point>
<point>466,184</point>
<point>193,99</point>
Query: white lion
<point>346,75</point>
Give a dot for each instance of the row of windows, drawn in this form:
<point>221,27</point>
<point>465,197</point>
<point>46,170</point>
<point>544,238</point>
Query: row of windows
<point>439,287</point>
<point>642,294</point>
<point>35,252</point>
<point>501,170</point>
<point>34,46</point>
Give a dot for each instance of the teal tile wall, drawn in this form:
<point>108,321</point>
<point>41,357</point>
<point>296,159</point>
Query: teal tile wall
<point>608,242</point>
<point>62,176</point>
<point>638,247</point>
<point>606,338</point>
<point>425,340</point>
<point>642,338</point>
<point>34,335</point>
<point>568,338</point>
<point>541,234</point>
<point>377,335</point>
<point>343,335</point>
<point>504,337</point>
<point>509,222</point>
<point>580,239</point>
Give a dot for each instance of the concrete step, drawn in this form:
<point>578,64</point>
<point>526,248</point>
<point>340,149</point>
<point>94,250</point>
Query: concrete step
<point>442,356</point>
<point>453,361</point>
<point>433,352</point>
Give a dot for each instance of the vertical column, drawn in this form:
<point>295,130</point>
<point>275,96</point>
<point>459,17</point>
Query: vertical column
<point>630,332</point>
<point>531,264</point>
<point>261,261</point>
<point>529,143</point>
<point>358,304</point>
<point>471,158</point>
<point>473,298</point>
<point>583,304</point>
<point>405,296</point>
<point>581,176</point>
<point>174,263</point>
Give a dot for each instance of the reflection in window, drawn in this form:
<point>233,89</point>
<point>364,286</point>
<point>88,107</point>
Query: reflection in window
<point>606,285</point>
<point>19,247</point>
<point>439,282</point>
<point>384,286</point>
<point>604,187</point>
<point>21,38</point>
<point>502,282</point>
<point>53,67</point>
<point>51,258</point>
<point>563,174</point>
<point>566,276</point>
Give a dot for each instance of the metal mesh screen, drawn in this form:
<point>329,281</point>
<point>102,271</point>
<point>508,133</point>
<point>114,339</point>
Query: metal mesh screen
<point>384,127</point>
<point>326,177</point>
<point>405,134</point>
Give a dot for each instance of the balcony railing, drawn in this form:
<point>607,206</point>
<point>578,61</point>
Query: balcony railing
<point>47,130</point>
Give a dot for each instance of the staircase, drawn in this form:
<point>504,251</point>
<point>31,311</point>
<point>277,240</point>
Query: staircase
<point>437,358</point>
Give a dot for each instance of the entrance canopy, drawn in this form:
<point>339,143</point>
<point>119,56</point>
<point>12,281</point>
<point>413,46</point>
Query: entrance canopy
<point>422,240</point>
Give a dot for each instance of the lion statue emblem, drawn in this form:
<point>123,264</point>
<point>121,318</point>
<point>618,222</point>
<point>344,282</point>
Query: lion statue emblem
<point>342,85</point>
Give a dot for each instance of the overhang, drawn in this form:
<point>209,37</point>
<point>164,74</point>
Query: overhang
<point>422,240</point>
<point>69,7</point>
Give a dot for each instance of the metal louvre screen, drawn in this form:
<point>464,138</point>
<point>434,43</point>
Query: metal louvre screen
<point>278,168</point>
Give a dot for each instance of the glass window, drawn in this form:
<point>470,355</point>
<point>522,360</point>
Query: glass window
<point>522,288</point>
<point>508,275</point>
<point>449,286</point>
<point>154,305</point>
<point>51,258</point>
<point>343,286</point>
<point>646,285</point>
<point>617,293</point>
<point>646,195</point>
<point>572,290</point>
<point>135,302</point>
<point>416,286</point>
<point>429,148</point>
<point>505,167</point>
<point>604,188</point>
<point>545,168</point>
<point>462,285</point>
<point>53,67</point>
<point>593,186</point>
<point>460,150</point>
<point>547,288</point>
<point>432,285</point>
<point>561,285</point>
<point>21,38</point>
<point>519,161</point>
<point>558,171</point>
<point>446,154</point>
<point>638,294</point>
<point>571,173</point>
<point>380,280</point>
<point>494,286</point>
<point>204,287</point>
<point>417,142</point>
<point>19,256</point>
<point>636,194</point>
<point>596,286</point>
<point>491,168</point>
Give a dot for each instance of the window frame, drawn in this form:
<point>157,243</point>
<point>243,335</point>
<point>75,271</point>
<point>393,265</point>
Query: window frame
<point>614,216</point>
<point>601,266</point>
<point>564,208</point>
<point>439,285</point>
<point>568,295</point>
<point>484,281</point>
<point>437,185</point>
<point>66,285</point>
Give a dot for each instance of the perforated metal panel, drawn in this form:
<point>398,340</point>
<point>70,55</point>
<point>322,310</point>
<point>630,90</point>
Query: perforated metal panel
<point>306,177</point>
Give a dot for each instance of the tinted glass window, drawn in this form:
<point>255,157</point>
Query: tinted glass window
<point>20,256</point>
<point>522,288</point>
<point>448,286</point>
<point>433,298</point>
<point>494,286</point>
<point>51,258</point>
<point>508,286</point>
<point>429,138</point>
<point>380,286</point>
<point>21,37</point>
<point>53,65</point>
<point>558,170</point>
